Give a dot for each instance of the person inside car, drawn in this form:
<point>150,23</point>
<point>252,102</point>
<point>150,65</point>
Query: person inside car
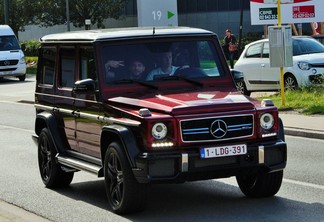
<point>165,66</point>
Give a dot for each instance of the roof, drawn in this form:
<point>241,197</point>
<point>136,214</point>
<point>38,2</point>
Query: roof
<point>6,30</point>
<point>104,34</point>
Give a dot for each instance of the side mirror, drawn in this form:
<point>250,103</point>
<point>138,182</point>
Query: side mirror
<point>85,86</point>
<point>237,75</point>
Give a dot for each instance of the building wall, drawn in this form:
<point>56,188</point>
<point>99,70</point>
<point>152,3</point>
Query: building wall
<point>216,22</point>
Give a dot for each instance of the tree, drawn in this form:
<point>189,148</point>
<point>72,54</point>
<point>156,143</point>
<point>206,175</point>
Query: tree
<point>53,12</point>
<point>20,13</point>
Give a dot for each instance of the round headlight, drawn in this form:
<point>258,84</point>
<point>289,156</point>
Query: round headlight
<point>266,121</point>
<point>304,65</point>
<point>159,131</point>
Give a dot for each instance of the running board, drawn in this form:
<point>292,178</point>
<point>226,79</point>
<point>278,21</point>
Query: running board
<point>79,164</point>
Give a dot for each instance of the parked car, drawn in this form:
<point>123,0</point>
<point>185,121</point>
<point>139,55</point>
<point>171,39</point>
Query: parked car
<point>319,38</point>
<point>93,113</point>
<point>308,65</point>
<point>12,58</point>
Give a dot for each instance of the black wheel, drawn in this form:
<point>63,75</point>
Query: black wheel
<point>241,87</point>
<point>22,78</point>
<point>260,184</point>
<point>290,82</point>
<point>50,171</point>
<point>125,194</point>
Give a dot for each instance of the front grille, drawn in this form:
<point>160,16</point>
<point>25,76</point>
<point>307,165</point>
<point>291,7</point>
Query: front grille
<point>9,62</point>
<point>7,70</point>
<point>216,128</point>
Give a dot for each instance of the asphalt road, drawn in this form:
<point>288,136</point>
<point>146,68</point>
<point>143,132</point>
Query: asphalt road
<point>301,197</point>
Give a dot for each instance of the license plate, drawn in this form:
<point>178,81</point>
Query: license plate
<point>221,151</point>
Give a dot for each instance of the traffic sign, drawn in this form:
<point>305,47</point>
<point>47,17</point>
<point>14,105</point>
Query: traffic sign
<point>265,12</point>
<point>157,13</point>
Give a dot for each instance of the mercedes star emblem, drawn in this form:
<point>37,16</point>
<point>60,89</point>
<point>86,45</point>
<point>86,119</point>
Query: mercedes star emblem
<point>218,129</point>
<point>6,63</point>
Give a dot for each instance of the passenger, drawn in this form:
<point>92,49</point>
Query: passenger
<point>112,64</point>
<point>165,66</point>
<point>136,68</point>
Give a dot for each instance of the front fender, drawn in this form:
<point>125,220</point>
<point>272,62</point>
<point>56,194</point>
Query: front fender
<point>125,136</point>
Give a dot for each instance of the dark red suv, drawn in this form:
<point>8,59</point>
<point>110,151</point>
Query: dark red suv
<point>140,106</point>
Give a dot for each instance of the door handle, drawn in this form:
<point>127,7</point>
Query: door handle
<point>262,65</point>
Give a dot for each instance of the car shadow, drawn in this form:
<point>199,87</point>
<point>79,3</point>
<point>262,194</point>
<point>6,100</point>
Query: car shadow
<point>202,201</point>
<point>14,80</point>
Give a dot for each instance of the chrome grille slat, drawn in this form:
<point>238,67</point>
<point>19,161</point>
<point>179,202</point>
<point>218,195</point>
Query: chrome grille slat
<point>199,130</point>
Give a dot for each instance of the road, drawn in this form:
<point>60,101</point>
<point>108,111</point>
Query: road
<point>301,197</point>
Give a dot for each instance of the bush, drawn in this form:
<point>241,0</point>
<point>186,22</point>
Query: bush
<point>30,47</point>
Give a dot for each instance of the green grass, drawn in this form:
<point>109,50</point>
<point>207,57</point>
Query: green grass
<point>307,100</point>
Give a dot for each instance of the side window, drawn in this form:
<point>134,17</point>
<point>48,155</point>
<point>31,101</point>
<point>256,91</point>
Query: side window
<point>87,64</point>
<point>265,51</point>
<point>68,67</point>
<point>206,58</point>
<point>48,66</point>
<point>254,51</point>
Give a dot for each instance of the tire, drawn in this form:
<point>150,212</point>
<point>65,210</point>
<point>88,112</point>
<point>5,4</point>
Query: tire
<point>51,173</point>
<point>290,82</point>
<point>241,87</point>
<point>22,78</point>
<point>260,184</point>
<point>125,195</point>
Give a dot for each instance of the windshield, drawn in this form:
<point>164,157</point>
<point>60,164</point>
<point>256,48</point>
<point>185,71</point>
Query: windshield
<point>302,46</point>
<point>8,43</point>
<point>153,61</point>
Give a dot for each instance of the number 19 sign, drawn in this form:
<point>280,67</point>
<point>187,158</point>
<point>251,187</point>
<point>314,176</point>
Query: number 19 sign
<point>157,13</point>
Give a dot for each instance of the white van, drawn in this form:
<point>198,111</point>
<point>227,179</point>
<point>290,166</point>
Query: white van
<point>12,59</point>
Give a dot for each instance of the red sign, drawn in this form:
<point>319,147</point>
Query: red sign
<point>304,11</point>
<point>275,2</point>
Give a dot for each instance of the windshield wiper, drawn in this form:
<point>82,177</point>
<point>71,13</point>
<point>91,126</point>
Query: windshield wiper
<point>125,81</point>
<point>197,83</point>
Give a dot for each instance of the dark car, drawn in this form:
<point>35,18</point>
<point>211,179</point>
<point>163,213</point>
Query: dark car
<point>140,106</point>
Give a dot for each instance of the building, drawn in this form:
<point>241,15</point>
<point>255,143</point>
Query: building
<point>214,15</point>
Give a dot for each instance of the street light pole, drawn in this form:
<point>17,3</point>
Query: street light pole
<point>67,15</point>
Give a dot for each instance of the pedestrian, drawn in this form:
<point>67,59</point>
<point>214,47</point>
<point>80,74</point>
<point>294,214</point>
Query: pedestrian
<point>230,46</point>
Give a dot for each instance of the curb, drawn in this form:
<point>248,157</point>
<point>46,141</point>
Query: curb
<point>291,131</point>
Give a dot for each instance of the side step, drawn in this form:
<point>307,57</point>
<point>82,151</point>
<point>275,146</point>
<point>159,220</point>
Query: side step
<point>79,164</point>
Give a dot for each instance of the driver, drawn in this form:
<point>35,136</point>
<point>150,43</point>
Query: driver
<point>165,66</point>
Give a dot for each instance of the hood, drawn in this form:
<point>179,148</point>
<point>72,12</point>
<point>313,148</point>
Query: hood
<point>313,58</point>
<point>11,54</point>
<point>188,103</point>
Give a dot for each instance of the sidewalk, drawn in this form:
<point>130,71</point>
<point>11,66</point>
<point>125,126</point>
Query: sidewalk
<point>302,125</point>
<point>11,213</point>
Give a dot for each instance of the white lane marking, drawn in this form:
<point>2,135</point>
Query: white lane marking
<point>15,128</point>
<point>232,181</point>
<point>316,186</point>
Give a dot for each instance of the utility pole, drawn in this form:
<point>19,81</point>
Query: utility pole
<point>67,15</point>
<point>6,11</point>
<point>241,27</point>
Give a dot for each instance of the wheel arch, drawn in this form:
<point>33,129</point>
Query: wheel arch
<point>123,135</point>
<point>49,121</point>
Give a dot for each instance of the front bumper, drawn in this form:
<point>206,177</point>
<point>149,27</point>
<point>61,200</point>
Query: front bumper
<point>181,166</point>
